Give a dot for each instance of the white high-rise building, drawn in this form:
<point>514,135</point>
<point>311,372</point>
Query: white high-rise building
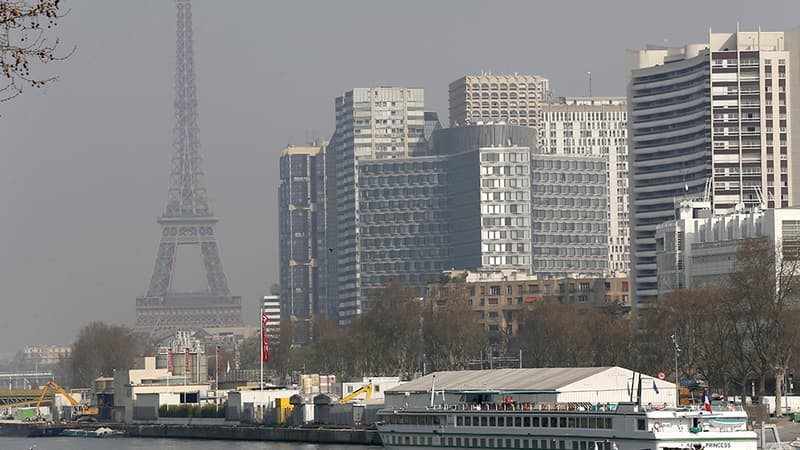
<point>596,126</point>
<point>708,121</point>
<point>371,124</point>
<point>513,99</point>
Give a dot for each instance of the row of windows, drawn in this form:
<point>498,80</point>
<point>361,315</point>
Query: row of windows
<point>569,201</point>
<point>490,442</point>
<point>568,164</point>
<point>403,204</point>
<point>505,183</point>
<point>507,260</point>
<point>591,422</point>
<point>574,215</point>
<point>501,95</point>
<point>495,86</point>
<point>569,177</point>
<point>570,251</point>
<point>504,156</point>
<point>552,116</point>
<point>415,167</point>
<point>402,192</point>
<point>569,189</point>
<point>402,179</point>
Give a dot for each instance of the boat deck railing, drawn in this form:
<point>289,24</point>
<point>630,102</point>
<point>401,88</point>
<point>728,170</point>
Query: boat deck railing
<point>571,407</point>
<point>525,406</point>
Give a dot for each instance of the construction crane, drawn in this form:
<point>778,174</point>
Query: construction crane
<point>366,388</point>
<point>78,409</point>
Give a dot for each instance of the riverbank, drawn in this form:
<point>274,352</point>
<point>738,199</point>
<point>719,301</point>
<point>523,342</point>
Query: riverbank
<point>215,431</point>
<point>314,435</point>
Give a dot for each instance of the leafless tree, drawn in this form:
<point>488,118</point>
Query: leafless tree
<point>25,41</point>
<point>765,285</point>
<point>452,333</point>
<point>99,350</point>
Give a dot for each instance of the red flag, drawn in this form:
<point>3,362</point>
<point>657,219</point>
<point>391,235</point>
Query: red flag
<point>218,359</point>
<point>264,340</point>
<point>170,365</point>
<point>188,361</point>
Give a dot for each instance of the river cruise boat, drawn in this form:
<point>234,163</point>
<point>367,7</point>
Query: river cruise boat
<point>565,426</point>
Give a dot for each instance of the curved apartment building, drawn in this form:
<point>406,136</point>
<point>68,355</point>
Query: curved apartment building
<point>670,134</point>
<point>709,122</point>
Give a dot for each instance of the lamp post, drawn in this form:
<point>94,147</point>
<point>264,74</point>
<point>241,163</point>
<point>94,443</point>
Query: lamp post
<point>677,384</point>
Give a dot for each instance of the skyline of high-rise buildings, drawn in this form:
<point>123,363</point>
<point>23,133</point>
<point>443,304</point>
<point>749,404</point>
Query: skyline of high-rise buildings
<point>552,186</point>
<point>400,198</point>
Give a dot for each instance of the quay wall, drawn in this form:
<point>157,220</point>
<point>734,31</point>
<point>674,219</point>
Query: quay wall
<point>251,433</point>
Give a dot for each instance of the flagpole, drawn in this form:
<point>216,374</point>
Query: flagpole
<point>261,344</point>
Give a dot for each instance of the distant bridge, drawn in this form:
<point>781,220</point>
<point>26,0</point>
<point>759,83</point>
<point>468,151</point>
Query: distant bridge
<point>25,379</point>
<point>21,397</point>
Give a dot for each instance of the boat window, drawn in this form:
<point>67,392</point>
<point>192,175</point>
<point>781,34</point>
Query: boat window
<point>592,422</point>
<point>562,445</point>
<point>584,422</point>
<point>640,425</point>
<point>501,421</point>
<point>518,421</point>
<point>583,445</point>
<point>562,422</point>
<point>545,422</point>
<point>544,443</point>
<point>526,421</point>
<point>484,421</point>
<point>508,442</point>
<point>608,423</point>
<point>553,422</point>
<point>492,421</point>
<point>574,445</point>
<point>571,422</point>
<point>534,421</point>
<point>458,442</point>
<point>459,421</point>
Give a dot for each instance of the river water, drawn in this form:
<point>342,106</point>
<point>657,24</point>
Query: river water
<point>73,443</point>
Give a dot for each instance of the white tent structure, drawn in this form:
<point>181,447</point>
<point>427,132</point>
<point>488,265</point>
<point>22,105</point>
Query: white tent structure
<point>579,385</point>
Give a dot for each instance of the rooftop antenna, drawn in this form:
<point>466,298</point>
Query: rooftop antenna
<point>589,75</point>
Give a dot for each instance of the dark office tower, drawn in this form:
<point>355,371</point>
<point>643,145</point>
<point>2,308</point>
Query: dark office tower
<point>297,237</point>
<point>187,221</point>
<point>402,221</point>
<point>708,121</point>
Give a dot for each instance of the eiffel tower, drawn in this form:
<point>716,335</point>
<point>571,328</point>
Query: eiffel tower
<point>186,221</point>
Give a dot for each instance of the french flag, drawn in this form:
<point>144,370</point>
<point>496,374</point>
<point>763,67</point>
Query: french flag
<point>706,403</point>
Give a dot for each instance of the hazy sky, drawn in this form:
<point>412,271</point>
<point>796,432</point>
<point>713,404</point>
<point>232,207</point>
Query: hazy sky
<point>85,162</point>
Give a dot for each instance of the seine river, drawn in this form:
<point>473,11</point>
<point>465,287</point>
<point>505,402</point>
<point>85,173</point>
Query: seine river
<point>71,443</point>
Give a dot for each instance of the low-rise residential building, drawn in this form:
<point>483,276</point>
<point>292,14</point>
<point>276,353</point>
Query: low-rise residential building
<point>500,296</point>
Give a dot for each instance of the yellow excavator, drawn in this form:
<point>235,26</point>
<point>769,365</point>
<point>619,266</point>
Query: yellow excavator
<point>366,388</point>
<point>78,410</point>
